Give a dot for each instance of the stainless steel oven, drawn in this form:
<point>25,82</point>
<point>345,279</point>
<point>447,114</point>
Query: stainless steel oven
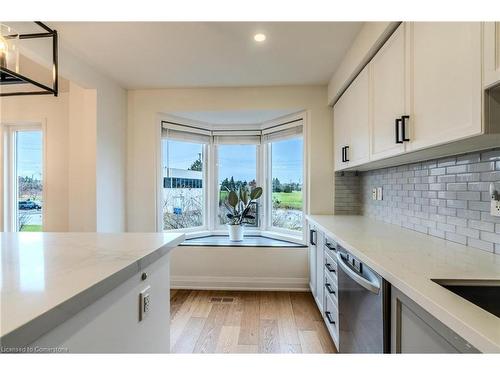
<point>364,306</point>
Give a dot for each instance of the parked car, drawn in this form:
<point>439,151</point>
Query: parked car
<point>29,205</point>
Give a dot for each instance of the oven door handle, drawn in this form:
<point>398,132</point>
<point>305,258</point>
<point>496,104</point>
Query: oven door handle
<point>371,285</point>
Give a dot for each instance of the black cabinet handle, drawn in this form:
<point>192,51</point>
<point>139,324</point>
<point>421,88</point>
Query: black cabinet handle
<point>329,288</point>
<point>403,126</point>
<point>311,236</point>
<point>330,246</point>
<point>343,157</point>
<point>328,266</point>
<point>329,317</point>
<point>346,158</point>
<point>398,127</point>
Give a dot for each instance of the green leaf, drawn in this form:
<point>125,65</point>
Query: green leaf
<point>232,199</point>
<point>256,193</point>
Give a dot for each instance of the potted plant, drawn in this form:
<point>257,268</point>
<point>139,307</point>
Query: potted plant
<point>238,205</point>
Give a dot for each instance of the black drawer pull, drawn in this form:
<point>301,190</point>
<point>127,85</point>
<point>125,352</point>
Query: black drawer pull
<point>312,233</point>
<point>328,266</point>
<point>398,127</point>
<point>329,288</point>
<point>330,246</point>
<point>329,317</point>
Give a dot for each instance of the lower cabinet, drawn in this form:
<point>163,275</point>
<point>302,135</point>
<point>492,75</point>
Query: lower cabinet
<point>414,330</point>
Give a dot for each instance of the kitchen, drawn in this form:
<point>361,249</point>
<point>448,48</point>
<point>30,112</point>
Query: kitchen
<point>347,202</point>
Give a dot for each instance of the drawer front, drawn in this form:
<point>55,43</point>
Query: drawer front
<point>331,317</point>
<point>330,247</point>
<point>331,267</point>
<point>331,288</point>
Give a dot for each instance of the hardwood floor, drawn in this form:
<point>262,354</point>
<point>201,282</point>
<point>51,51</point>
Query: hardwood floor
<point>205,321</point>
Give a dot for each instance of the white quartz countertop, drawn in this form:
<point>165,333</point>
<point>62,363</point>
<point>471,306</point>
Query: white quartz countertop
<point>48,277</point>
<point>409,260</point>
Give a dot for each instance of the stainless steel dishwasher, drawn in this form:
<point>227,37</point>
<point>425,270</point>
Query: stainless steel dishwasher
<point>364,307</point>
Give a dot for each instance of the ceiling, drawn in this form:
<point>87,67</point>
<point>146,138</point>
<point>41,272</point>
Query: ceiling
<point>210,54</point>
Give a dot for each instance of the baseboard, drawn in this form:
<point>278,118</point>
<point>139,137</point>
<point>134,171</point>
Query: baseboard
<point>239,283</point>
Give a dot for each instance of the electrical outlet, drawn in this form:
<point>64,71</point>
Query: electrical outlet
<point>374,194</point>
<point>495,208</point>
<point>144,303</point>
<point>379,194</point>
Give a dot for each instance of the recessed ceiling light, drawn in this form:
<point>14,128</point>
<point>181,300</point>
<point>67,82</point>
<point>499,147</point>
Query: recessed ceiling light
<point>259,37</point>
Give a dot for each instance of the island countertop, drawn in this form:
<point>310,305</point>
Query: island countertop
<point>49,277</point>
<point>410,260</point>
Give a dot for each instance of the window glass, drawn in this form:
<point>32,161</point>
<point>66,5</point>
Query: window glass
<point>237,168</point>
<point>183,184</point>
<point>287,178</point>
<point>28,180</point>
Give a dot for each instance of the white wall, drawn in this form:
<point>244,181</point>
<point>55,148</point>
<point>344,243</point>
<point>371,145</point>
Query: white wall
<point>239,268</point>
<point>82,138</point>
<point>366,43</point>
<point>53,112</point>
<point>145,105</point>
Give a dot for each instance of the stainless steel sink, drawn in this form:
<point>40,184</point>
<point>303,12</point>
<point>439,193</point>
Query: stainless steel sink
<point>482,293</point>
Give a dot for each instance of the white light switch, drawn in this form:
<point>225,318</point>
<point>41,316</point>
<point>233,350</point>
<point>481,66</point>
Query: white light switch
<point>144,303</point>
<point>379,194</point>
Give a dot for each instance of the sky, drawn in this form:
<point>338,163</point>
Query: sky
<point>239,161</point>
<point>29,154</point>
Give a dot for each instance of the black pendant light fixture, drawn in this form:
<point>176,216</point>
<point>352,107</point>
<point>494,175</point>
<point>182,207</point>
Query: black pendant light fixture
<point>9,62</point>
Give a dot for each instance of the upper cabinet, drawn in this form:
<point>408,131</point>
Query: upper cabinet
<point>388,97</point>
<point>446,85</point>
<point>424,88</point>
<point>350,124</point>
<point>491,54</point>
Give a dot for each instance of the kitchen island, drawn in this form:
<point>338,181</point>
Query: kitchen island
<point>84,292</point>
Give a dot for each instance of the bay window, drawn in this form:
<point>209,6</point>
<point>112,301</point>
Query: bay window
<point>200,165</point>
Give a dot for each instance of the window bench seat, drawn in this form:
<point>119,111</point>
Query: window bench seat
<point>248,241</point>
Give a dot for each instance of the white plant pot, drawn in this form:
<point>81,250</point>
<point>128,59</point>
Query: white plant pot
<point>235,232</point>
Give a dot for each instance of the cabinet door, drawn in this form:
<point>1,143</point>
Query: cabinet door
<point>414,330</point>
<point>388,94</point>
<point>312,259</point>
<point>340,131</point>
<point>320,264</point>
<point>491,54</point>
<point>351,115</point>
<point>446,82</point>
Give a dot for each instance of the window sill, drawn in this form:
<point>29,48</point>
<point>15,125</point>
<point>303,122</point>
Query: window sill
<point>248,241</point>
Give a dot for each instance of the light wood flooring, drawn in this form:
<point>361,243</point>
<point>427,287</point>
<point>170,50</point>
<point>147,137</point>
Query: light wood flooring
<point>246,322</point>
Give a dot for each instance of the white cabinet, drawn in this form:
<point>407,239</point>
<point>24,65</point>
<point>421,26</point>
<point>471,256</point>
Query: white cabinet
<point>388,97</point>
<point>414,330</point>
<point>313,236</point>
<point>320,264</point>
<point>422,89</point>
<point>445,82</point>
<point>491,54</point>
<point>350,122</point>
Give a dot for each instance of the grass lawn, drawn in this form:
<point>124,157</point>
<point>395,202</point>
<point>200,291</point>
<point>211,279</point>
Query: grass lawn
<point>31,228</point>
<point>291,200</point>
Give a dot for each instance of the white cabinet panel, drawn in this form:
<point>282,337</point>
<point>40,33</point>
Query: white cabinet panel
<point>491,54</point>
<point>388,93</point>
<point>445,82</point>
<point>312,259</point>
<point>320,256</point>
<point>351,127</point>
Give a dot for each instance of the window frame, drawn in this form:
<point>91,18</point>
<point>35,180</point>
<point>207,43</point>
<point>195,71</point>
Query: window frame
<point>215,215</point>
<point>269,186</point>
<point>10,185</point>
<point>205,163</point>
<point>263,169</point>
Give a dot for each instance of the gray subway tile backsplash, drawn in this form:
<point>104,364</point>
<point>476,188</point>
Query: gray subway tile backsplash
<point>446,198</point>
